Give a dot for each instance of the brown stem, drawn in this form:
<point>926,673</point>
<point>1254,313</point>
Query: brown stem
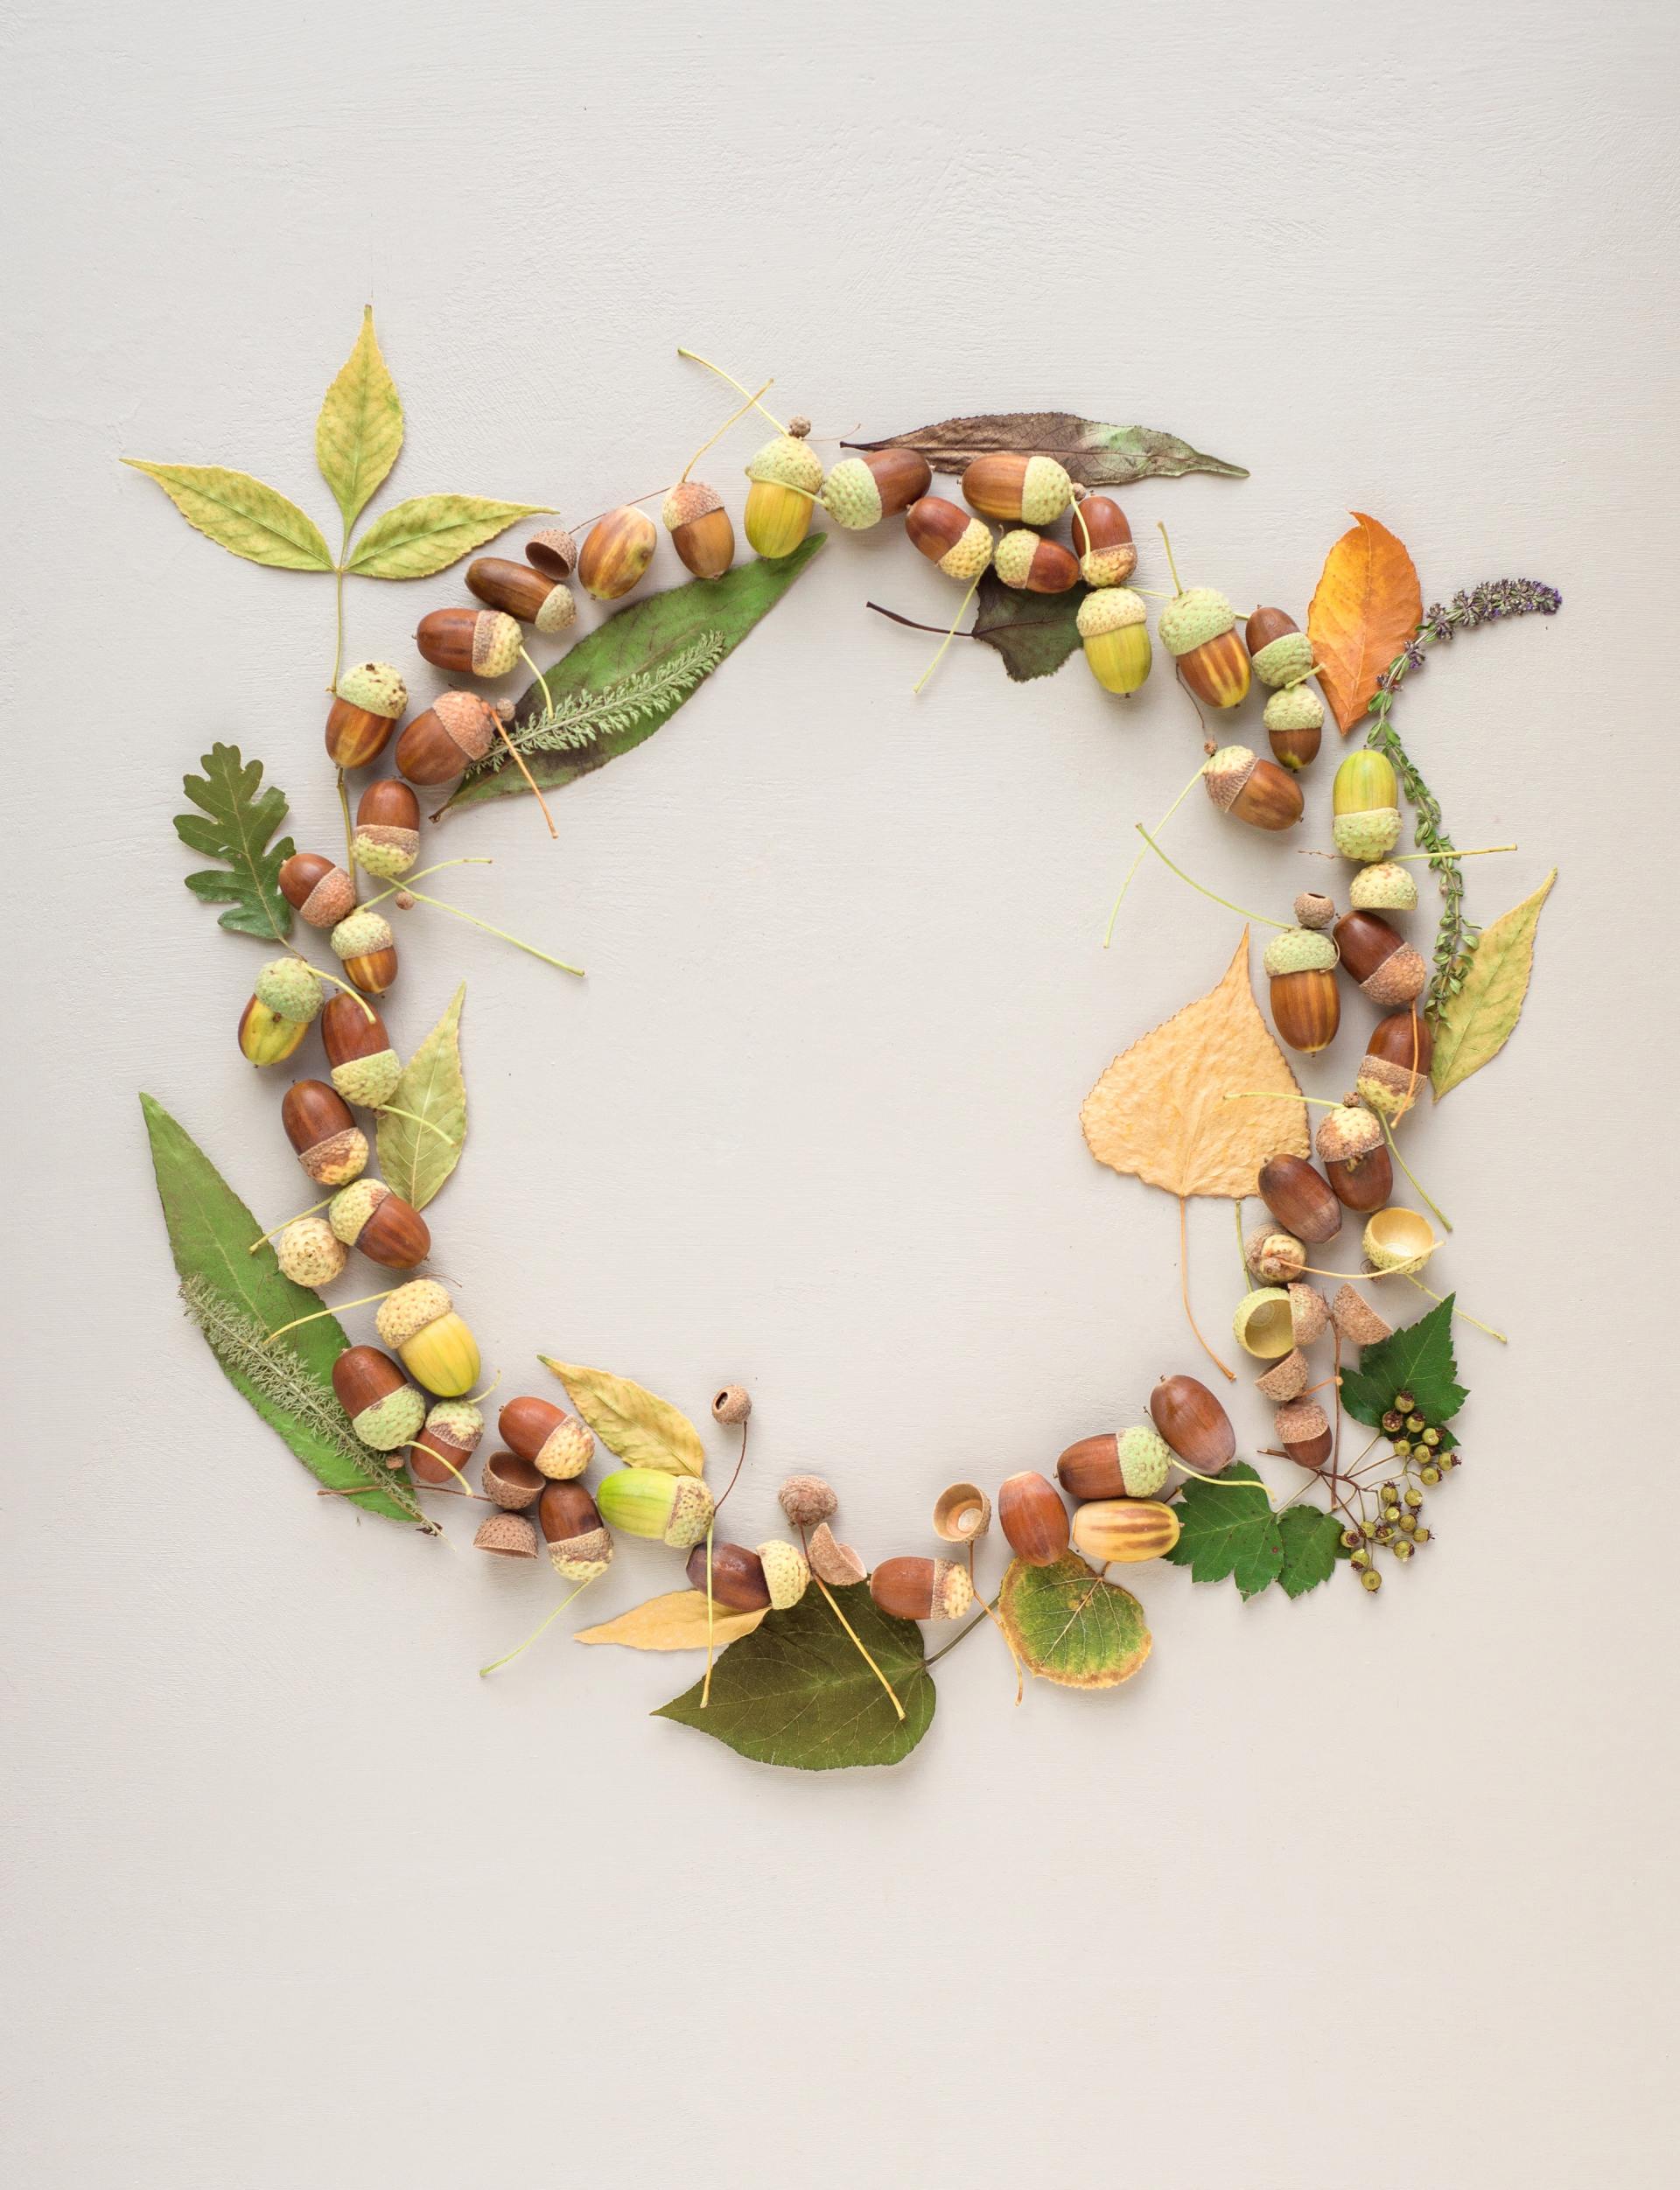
<point>1184,1288</point>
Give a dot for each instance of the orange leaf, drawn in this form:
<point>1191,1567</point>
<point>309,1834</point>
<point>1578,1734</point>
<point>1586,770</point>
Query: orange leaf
<point>1367,606</point>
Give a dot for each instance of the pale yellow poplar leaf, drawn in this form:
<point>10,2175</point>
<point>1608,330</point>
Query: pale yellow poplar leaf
<point>675,1621</point>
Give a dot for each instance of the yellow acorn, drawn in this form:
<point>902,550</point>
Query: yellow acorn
<point>786,476</point>
<point>419,1323</point>
<point>1114,630</point>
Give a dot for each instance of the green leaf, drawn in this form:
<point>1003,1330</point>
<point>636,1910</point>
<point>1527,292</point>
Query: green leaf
<point>1311,1541</point>
<point>360,429</point>
<point>796,1692</point>
<point>420,537</point>
<point>631,674</point>
<point>241,514</point>
<point>1224,1534</point>
<point>644,1429</point>
<point>1070,1627</point>
<point>1034,632</point>
<point>236,1298</point>
<point>1480,1015</point>
<point>1093,454</point>
<point>237,816</point>
<point>416,1159</point>
<point>1418,1359</point>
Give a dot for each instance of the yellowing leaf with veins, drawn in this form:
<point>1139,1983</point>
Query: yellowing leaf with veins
<point>675,1621</point>
<point>1160,1112</point>
<point>644,1429</point>
<point>1478,1022</point>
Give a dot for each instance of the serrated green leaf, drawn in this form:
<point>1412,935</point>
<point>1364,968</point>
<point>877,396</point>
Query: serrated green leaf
<point>1417,1358</point>
<point>644,1429</point>
<point>1311,1540</point>
<point>241,514</point>
<point>1069,1628</point>
<point>1226,1534</point>
<point>416,1159</point>
<point>360,429</point>
<point>629,676</point>
<point>420,537</point>
<point>1094,454</point>
<point>236,1298</point>
<point>796,1693</point>
<point>238,815</point>
<point>1033,633</point>
<point>1484,1007</point>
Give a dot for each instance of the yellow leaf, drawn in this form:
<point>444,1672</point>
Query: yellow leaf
<point>241,514</point>
<point>415,1158</point>
<point>1478,1022</point>
<point>1367,606</point>
<point>676,1621</point>
<point>1158,1111</point>
<point>642,1429</point>
<point>360,429</point>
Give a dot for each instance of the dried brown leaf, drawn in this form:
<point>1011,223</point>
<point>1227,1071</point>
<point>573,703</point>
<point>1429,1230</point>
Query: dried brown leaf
<point>1094,454</point>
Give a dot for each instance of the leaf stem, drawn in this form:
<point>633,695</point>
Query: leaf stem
<point>1394,1147</point>
<point>944,643</point>
<point>349,831</point>
<point>1194,885</point>
<point>518,757</point>
<point>281,1226</point>
<point>495,1664</point>
<point>718,435</point>
<point>397,888</point>
<point>1184,1290</point>
<point>1114,911</point>
<point>473,920</point>
<point>740,389</point>
<point>1458,1311</point>
<point>852,1632</point>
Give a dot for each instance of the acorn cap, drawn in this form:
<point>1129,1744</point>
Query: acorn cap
<point>832,1562</point>
<point>1112,565</point>
<point>786,1575</point>
<point>351,1209</point>
<point>1401,978</point>
<point>1046,491</point>
<point>1309,1312</point>
<point>310,1252</point>
<point>509,1534</point>
<point>1313,909</point>
<point>1347,1133</point>
<point>1299,1422</point>
<point>409,1309</point>
<point>1284,662</point>
<point>383,849</point>
<point>332,897</point>
<point>1264,1323</point>
<point>581,1558</point>
<point>289,988</point>
<point>392,1421</point>
<point>1399,1239</point>
<point>553,551</point>
<point>1116,608</point>
<point>787,461</point>
<point>971,553</point>
<point>953,1591</point>
<point>360,935</point>
<point>1288,1378</point>
<point>374,687</point>
<point>731,1404</point>
<point>457,1423</point>
<point>496,643</point>
<point>1296,707</point>
<point>468,721</point>
<point>1386,1088</point>
<point>1356,1319</point>
<point>1014,558</point>
<point>1191,617</point>
<point>1300,950</point>
<point>338,1159</point>
<point>368,1081</point>
<point>566,1452</point>
<point>1367,835</point>
<point>1226,773</point>
<point>1384,887</point>
<point>1146,1459</point>
<point>962,1513</point>
<point>806,1499</point>
<point>558,612</point>
<point>852,496</point>
<point>1274,1257</point>
<point>689,501</point>
<point>512,1482</point>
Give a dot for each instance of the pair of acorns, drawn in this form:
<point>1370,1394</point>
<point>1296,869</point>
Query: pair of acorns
<point>1300,964</point>
<point>418,1322</point>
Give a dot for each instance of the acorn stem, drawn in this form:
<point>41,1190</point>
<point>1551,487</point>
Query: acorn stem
<point>949,635</point>
<point>711,1614</point>
<point>390,1110</point>
<point>740,1462</point>
<point>1171,565</point>
<point>721,431</point>
<point>1394,1147</point>
<point>486,1392</point>
<point>739,386</point>
<point>338,1308</point>
<point>349,829</point>
<point>1194,885</point>
<point>473,920</point>
<point>310,1211</point>
<point>397,888</point>
<point>432,1453</point>
<point>1183,1290</point>
<point>518,757</point>
<point>349,989</point>
<point>890,1695</point>
<point>1443,858</point>
<point>495,1663</point>
<point>1277,1094</point>
<point>1020,1676</point>
<point>1459,1313</point>
<point>1114,910</point>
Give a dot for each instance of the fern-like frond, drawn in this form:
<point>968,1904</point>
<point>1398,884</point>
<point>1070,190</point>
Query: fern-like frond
<point>582,718</point>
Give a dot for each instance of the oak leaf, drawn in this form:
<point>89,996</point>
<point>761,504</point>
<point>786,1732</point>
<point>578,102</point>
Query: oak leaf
<point>1367,606</point>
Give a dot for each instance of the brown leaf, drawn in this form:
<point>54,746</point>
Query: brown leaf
<point>675,1621</point>
<point>1158,1111</point>
<point>1367,606</point>
<point>1093,454</point>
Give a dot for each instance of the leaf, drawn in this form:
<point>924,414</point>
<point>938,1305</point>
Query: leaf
<point>237,816</point>
<point>1478,1021</point>
<point>360,429</point>
<point>1418,1358</point>
<point>1311,1540</point>
<point>796,1692</point>
<point>1094,455</point>
<point>1160,1112</point>
<point>642,1429</point>
<point>236,1298</point>
<point>241,514</point>
<point>675,1621</point>
<point>1070,1627</point>
<point>1033,633</point>
<point>424,536</point>
<point>1224,1535</point>
<point>1367,606</point>
<point>416,1161</point>
<point>629,676</point>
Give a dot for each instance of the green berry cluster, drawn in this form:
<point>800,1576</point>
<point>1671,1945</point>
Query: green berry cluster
<point>1427,1452</point>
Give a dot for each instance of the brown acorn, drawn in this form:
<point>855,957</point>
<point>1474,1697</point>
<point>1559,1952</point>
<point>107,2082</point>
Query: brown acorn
<point>553,1441</point>
<point>331,1147</point>
<point>365,949</point>
<point>1252,790</point>
<point>365,709</point>
<point>1386,967</point>
<point>619,550</point>
<point>737,1580</point>
<point>1193,1422</point>
<point>457,728</point>
<point>1300,965</point>
<point>1300,1198</point>
<point>523,592</point>
<point>387,840</point>
<point>1102,542</point>
<point>1017,490</point>
<point>318,892</point>
<point>704,539</point>
<point>1032,1517</point>
<point>386,1412</point>
<point>1303,1431</point>
<point>1030,564</point>
<point>958,545</point>
<point>1395,1066</point>
<point>380,1224</point>
<point>365,1067</point>
<point>1356,1156</point>
<point>469,642</point>
<point>874,483</point>
<point>922,1589</point>
<point>580,1546</point>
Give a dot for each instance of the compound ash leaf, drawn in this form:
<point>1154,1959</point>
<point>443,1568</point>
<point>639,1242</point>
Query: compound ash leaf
<point>1034,633</point>
<point>795,1692</point>
<point>237,815</point>
<point>414,1158</point>
<point>1312,1541</point>
<point>241,514</point>
<point>1476,1023</point>
<point>1094,454</point>
<point>675,1621</point>
<point>418,538</point>
<point>642,1429</point>
<point>1223,1534</point>
<point>360,429</point>
<point>1417,1358</point>
<point>1070,1627</point>
<point>1367,606</point>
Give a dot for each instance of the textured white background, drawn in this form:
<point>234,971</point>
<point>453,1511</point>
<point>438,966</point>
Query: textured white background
<point>1338,1891</point>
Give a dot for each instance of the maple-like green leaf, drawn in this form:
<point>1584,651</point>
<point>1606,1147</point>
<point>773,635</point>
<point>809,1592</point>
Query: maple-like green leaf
<point>1070,1627</point>
<point>1033,633</point>
<point>415,1160</point>
<point>1478,1018</point>
<point>360,431</point>
<point>796,1692</point>
<point>241,514</point>
<point>1311,1540</point>
<point>420,537</point>
<point>1417,1358</point>
<point>1228,1533</point>
<point>237,815</point>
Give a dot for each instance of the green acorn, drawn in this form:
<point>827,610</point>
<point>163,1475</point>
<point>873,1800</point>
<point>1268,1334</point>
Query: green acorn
<point>1294,721</point>
<point>310,1253</point>
<point>1146,1461</point>
<point>786,476</point>
<point>645,1501</point>
<point>288,987</point>
<point>1365,797</point>
<point>1384,887</point>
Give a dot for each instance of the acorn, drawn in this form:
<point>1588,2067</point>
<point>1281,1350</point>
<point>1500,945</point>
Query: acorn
<point>922,1589</point>
<point>617,553</point>
<point>436,1347</point>
<point>1384,887</point>
<point>861,490</point>
<point>1303,1431</point>
<point>962,1513</point>
<point>700,529</point>
<point>807,1500</point>
<point>731,1405</point>
<point>1253,790</point>
<point>1102,542</point>
<point>1356,1156</point>
<point>1032,1518</point>
<point>553,551</point>
<point>786,475</point>
<point>469,642</point>
<point>1398,1239</point>
<point>364,946</point>
<point>457,728</point>
<point>507,1536</point>
<point>1300,1198</point>
<point>1017,490</point>
<point>1193,1422</point>
<point>367,705</point>
<point>832,1562</point>
<point>580,1546</point>
<point>1356,1319</point>
<point>786,1574</point>
<point>1386,967</point>
<point>645,1501</point>
<point>385,1410</point>
<point>289,988</point>
<point>310,1252</point>
<point>331,1147</point>
<point>514,1484</point>
<point>1365,796</point>
<point>1198,628</point>
<point>380,1225</point>
<point>1132,1463</point>
<point>365,1067</point>
<point>1122,1531</point>
<point>447,1442</point>
<point>1281,651</point>
<point>523,592</point>
<point>1030,564</point>
<point>1398,1053</point>
<point>959,546</point>
<point>1113,625</point>
<point>1276,1258</point>
<point>555,1444</point>
<point>1294,725</point>
<point>1314,910</point>
<point>317,890</point>
<point>267,1037</point>
<point>1305,1002</point>
<point>772,1578</point>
